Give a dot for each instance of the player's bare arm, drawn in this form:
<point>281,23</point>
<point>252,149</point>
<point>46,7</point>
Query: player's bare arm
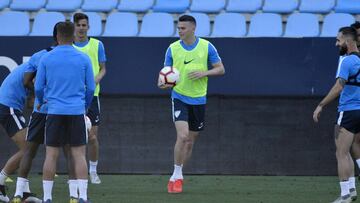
<point>218,69</point>
<point>101,73</point>
<point>333,94</point>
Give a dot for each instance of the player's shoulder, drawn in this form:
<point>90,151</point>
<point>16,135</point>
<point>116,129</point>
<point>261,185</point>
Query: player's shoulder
<point>351,59</point>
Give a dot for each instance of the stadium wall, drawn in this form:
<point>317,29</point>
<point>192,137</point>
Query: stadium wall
<point>259,116</point>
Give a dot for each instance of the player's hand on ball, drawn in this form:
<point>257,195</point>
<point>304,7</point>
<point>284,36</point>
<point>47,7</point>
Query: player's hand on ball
<point>161,84</point>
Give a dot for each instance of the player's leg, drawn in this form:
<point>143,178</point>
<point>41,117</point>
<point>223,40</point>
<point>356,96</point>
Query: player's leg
<point>78,141</point>
<point>34,137</point>
<point>93,144</point>
<point>55,137</point>
<point>355,149</point>
<point>72,182</point>
<point>343,141</point>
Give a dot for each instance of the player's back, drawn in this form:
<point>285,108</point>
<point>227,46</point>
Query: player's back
<point>12,90</point>
<point>66,75</point>
<point>350,71</point>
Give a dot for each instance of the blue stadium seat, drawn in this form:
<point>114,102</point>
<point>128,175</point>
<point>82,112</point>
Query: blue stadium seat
<point>14,23</point>
<point>63,5</point>
<point>4,4</point>
<point>244,6</point>
<point>99,6</point>
<point>121,25</point>
<point>26,5</point>
<point>333,22</point>
<point>157,25</point>
<point>171,6</point>
<point>302,25</point>
<point>280,6</point>
<point>44,23</point>
<point>202,24</point>
<point>265,25</point>
<point>135,6</point>
<point>316,6</point>
<point>229,25</point>
<point>348,6</point>
<point>206,6</point>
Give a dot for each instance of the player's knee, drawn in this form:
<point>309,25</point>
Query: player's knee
<point>92,139</point>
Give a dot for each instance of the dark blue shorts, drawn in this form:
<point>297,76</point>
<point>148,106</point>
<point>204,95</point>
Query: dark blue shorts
<point>94,112</point>
<point>11,119</point>
<point>65,129</point>
<point>350,120</point>
<point>193,114</point>
<point>36,129</point>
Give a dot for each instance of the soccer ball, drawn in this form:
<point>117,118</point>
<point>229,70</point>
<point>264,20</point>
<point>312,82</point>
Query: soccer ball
<point>169,75</point>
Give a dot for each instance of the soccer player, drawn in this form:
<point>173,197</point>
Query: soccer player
<point>190,55</point>
<point>96,52</point>
<point>66,87</point>
<point>347,85</point>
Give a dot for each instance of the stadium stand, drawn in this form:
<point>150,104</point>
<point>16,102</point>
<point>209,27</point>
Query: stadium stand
<point>348,6</point>
<point>170,6</point>
<point>206,6</point>
<point>302,25</point>
<point>26,5</point>
<point>10,18</point>
<point>4,4</point>
<point>135,6</point>
<point>44,23</point>
<point>316,6</point>
<point>334,21</point>
<point>121,25</point>
<point>99,6</point>
<point>229,25</point>
<point>64,6</point>
<point>153,21</point>
<point>265,25</point>
<point>280,6</point>
<point>243,6</point>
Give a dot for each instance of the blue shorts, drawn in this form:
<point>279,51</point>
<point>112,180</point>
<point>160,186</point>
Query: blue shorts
<point>65,129</point>
<point>94,112</point>
<point>11,119</point>
<point>350,120</point>
<point>36,129</point>
<point>193,114</point>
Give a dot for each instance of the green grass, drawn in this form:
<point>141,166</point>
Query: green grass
<point>200,189</point>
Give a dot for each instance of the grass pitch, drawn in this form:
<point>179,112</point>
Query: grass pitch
<point>199,189</point>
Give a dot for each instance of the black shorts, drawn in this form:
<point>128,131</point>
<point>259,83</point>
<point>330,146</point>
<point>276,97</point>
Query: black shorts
<point>65,129</point>
<point>11,119</point>
<point>94,112</point>
<point>193,114</point>
<point>36,129</point>
<point>350,120</point>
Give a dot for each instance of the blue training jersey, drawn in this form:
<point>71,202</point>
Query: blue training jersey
<point>213,58</point>
<point>33,66</point>
<point>67,76</point>
<point>349,69</point>
<point>12,91</point>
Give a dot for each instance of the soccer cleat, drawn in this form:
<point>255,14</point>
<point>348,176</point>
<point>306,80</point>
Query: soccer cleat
<point>83,201</point>
<point>16,199</point>
<point>8,180</point>
<point>353,194</point>
<point>170,186</point>
<point>343,199</point>
<point>178,186</point>
<point>74,200</point>
<point>29,197</point>
<point>3,196</point>
<point>94,178</point>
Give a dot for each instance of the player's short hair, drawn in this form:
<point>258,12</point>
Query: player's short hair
<point>55,32</point>
<point>80,16</point>
<point>349,31</point>
<point>355,25</point>
<point>187,18</point>
<point>65,30</point>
